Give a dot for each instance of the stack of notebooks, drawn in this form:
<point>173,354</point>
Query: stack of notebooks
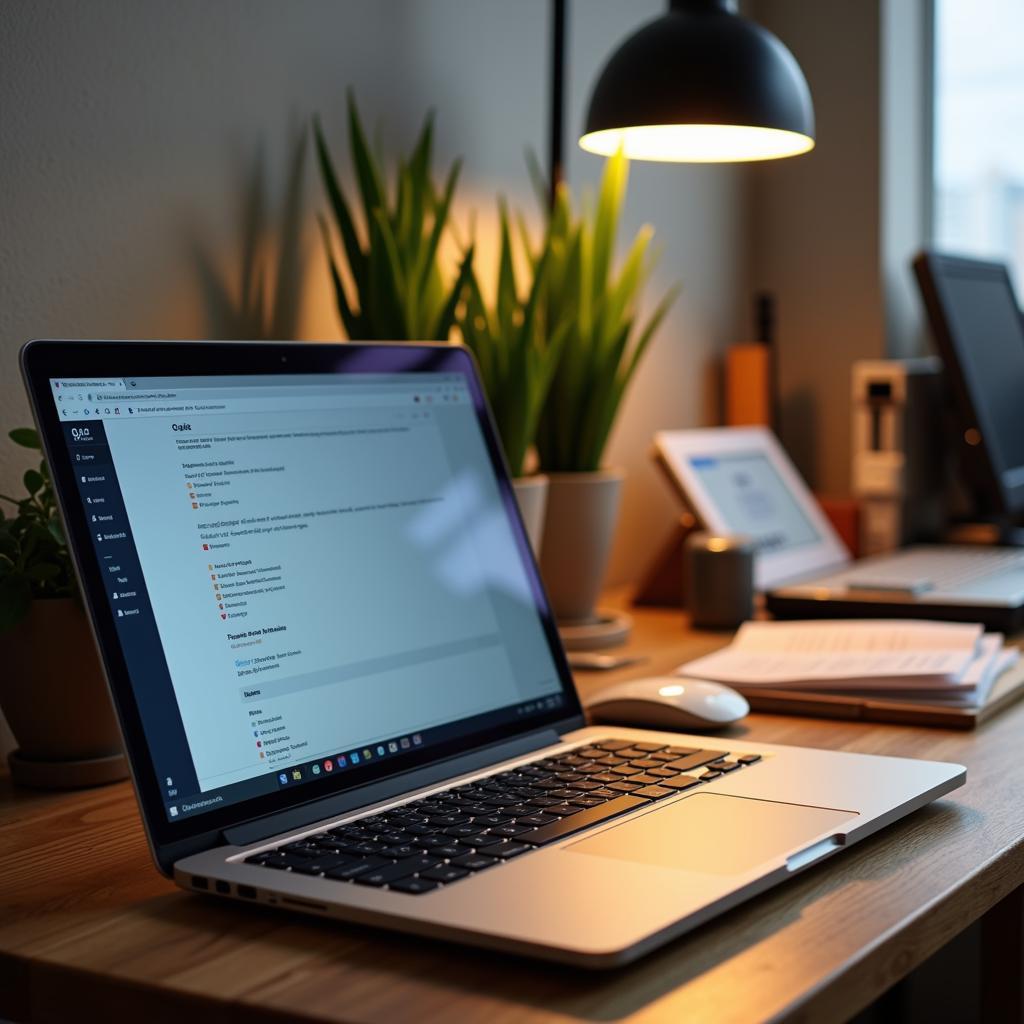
<point>859,668</point>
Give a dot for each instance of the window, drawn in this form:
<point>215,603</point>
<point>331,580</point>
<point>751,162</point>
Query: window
<point>979,130</point>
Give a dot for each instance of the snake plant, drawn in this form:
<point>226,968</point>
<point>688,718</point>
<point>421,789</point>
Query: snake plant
<point>395,289</point>
<point>606,337</point>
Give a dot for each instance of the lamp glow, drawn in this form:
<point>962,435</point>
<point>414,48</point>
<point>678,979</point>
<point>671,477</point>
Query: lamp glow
<point>698,143</point>
<point>701,84</point>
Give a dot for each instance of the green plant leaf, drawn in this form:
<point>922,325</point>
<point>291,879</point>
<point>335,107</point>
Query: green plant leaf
<point>26,437</point>
<point>367,173</point>
<point>446,320</point>
<point>33,480</point>
<point>339,207</point>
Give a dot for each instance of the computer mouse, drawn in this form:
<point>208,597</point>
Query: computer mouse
<point>668,702</point>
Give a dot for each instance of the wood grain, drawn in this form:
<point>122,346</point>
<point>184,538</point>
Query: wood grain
<point>88,929</point>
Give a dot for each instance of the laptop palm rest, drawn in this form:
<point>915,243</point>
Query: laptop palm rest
<point>715,834</point>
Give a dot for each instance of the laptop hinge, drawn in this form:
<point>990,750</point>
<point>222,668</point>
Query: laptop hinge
<point>374,792</point>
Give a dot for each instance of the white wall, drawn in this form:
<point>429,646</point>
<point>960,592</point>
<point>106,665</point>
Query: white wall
<point>130,130</point>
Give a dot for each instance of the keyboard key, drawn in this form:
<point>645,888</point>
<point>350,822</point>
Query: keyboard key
<point>507,850</point>
<point>612,745</point>
<point>606,793</point>
<point>393,872</point>
<point>645,779</point>
<point>662,773</point>
<point>725,766</point>
<point>748,758</point>
<point>625,770</point>
<point>495,818</point>
<point>586,801</point>
<point>509,830</point>
<point>679,751</point>
<point>709,775</point>
<point>346,872</point>
<point>681,782</point>
<point>474,861</point>
<point>398,852</point>
<point>444,873</point>
<point>471,828</point>
<point>567,826</point>
<point>644,762</point>
<point>624,787</point>
<point>536,819</point>
<point>319,866</point>
<point>695,760</point>
<point>648,747</point>
<point>611,761</point>
<point>604,777</point>
<point>655,792</point>
<point>415,886</point>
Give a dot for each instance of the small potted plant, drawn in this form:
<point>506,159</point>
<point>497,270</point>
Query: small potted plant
<point>52,690</point>
<point>517,352</point>
<point>391,261</point>
<point>605,343</point>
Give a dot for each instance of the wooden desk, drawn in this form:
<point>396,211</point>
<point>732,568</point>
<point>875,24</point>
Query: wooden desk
<point>88,928</point>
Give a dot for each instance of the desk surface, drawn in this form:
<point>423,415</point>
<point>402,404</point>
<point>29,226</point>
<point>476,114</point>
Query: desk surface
<point>85,920</point>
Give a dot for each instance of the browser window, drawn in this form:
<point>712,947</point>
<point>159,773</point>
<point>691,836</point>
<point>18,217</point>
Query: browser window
<point>307,572</point>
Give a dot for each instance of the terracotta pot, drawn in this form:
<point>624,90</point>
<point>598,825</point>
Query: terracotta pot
<point>532,498</point>
<point>578,530</point>
<point>55,699</point>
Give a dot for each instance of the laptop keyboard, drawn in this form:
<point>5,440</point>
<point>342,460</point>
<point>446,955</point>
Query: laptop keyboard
<point>453,834</point>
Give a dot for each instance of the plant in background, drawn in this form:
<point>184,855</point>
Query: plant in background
<point>265,304</point>
<point>516,348</point>
<point>606,339</point>
<point>34,559</point>
<point>399,292</point>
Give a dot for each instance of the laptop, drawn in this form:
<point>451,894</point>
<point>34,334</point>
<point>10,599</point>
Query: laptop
<point>739,480</point>
<point>339,681</point>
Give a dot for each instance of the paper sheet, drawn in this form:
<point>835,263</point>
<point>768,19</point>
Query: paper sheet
<point>862,654</point>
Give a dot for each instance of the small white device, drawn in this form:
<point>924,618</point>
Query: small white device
<point>668,702</point>
<point>738,480</point>
<point>897,466</point>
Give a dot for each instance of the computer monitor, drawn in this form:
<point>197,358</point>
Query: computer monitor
<point>977,326</point>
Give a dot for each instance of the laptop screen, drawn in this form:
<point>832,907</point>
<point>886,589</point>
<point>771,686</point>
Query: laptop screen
<point>308,573</point>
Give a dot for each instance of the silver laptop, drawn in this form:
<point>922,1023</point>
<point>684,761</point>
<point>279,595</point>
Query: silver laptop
<point>338,678</point>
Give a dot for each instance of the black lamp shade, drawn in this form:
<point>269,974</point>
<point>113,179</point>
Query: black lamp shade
<point>701,84</point>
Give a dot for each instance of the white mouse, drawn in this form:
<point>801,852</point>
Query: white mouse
<point>668,702</point>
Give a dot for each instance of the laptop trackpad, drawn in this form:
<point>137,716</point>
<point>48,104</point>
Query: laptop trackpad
<point>713,833</point>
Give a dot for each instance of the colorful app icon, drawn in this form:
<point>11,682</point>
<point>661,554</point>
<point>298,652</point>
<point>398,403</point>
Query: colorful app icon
<point>297,774</point>
<point>343,760</point>
<point>283,778</point>
<point>355,757</point>
<point>380,750</point>
<point>316,769</point>
<point>328,765</point>
<point>393,747</point>
<point>367,754</point>
<point>417,739</point>
<point>405,743</point>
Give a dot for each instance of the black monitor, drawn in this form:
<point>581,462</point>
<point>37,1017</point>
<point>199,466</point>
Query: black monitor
<point>977,326</point>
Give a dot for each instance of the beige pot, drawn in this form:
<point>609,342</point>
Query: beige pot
<point>55,699</point>
<point>582,510</point>
<point>532,498</point>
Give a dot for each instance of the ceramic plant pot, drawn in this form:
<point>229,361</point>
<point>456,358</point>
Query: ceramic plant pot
<point>532,498</point>
<point>55,699</point>
<point>578,530</point>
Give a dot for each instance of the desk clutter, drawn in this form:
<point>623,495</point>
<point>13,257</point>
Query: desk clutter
<point>932,673</point>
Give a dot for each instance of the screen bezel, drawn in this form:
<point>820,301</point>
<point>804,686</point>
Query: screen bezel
<point>675,448</point>
<point>46,359</point>
<point>932,269</point>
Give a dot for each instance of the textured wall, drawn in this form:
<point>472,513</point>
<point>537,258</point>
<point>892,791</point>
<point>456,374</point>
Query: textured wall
<point>132,133</point>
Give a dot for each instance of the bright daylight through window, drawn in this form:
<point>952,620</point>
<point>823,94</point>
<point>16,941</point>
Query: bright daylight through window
<point>979,130</point>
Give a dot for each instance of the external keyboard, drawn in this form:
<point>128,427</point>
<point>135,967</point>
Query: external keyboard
<point>450,835</point>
